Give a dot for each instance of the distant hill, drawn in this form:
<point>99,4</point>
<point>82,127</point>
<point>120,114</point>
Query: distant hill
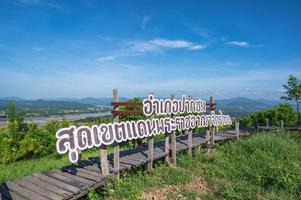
<point>236,107</point>
<point>240,106</point>
<point>104,101</point>
<point>48,107</point>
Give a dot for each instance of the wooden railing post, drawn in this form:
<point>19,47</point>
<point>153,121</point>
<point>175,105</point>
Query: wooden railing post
<point>212,129</point>
<point>189,135</point>
<point>79,156</point>
<point>237,129</point>
<point>267,122</point>
<point>173,142</point>
<point>208,139</point>
<point>104,160</point>
<point>116,145</point>
<point>167,149</point>
<point>150,151</point>
<point>281,125</point>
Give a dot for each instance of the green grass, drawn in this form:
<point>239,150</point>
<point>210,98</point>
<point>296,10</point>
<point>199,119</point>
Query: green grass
<point>22,168</point>
<point>263,166</point>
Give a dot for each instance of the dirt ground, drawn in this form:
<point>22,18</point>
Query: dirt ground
<point>197,185</point>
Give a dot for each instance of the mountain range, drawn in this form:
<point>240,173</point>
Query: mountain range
<point>235,106</point>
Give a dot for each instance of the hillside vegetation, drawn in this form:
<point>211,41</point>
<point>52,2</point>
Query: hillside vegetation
<point>263,166</point>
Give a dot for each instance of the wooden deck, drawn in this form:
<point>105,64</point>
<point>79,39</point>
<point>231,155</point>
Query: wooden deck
<point>72,182</point>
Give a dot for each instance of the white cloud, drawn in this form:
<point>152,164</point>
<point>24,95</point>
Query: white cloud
<point>158,44</point>
<point>244,44</point>
<point>106,58</point>
<point>238,43</point>
<point>144,22</point>
<point>197,47</point>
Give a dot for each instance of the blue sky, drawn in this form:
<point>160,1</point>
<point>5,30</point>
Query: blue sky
<point>74,48</point>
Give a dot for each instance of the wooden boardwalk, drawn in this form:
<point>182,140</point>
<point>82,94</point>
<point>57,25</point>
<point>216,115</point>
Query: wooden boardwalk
<point>72,182</point>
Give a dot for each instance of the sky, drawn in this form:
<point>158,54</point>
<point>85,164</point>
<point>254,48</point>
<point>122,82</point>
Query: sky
<point>75,49</point>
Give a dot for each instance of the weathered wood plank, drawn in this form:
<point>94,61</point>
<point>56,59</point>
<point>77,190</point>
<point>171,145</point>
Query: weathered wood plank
<point>85,181</point>
<point>39,190</point>
<point>50,187</point>
<point>58,183</point>
<point>69,181</point>
<point>83,174</point>
<point>6,194</point>
<point>28,194</point>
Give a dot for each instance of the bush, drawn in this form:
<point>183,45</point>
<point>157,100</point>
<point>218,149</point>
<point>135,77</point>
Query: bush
<point>23,141</point>
<point>283,112</point>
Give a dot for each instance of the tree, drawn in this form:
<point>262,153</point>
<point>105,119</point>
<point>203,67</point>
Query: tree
<point>293,93</point>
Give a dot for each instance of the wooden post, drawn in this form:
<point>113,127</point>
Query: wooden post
<point>281,125</point>
<point>189,136</point>
<point>173,142</point>
<point>79,156</point>
<point>267,122</point>
<point>216,129</point>
<point>104,160</point>
<point>150,151</point>
<point>116,145</point>
<point>208,139</point>
<point>212,127</point>
<point>237,129</point>
<point>167,147</point>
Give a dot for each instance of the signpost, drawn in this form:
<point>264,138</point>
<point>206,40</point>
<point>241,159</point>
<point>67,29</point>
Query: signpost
<point>164,116</point>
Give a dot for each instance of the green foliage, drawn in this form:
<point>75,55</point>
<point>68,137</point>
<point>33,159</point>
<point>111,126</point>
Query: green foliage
<point>247,121</point>
<point>24,141</point>
<point>283,112</point>
<point>93,195</point>
<point>293,93</point>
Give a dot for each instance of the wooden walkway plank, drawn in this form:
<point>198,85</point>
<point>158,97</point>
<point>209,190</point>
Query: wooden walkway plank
<point>58,183</point>
<point>50,187</point>
<point>6,194</point>
<point>39,190</point>
<point>97,177</point>
<point>27,194</point>
<point>80,185</point>
<point>86,182</point>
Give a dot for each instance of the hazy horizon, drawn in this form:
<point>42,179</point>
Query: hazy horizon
<point>128,97</point>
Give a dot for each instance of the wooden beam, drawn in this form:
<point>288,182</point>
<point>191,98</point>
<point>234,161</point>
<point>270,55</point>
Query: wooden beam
<point>117,103</point>
<point>127,112</point>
